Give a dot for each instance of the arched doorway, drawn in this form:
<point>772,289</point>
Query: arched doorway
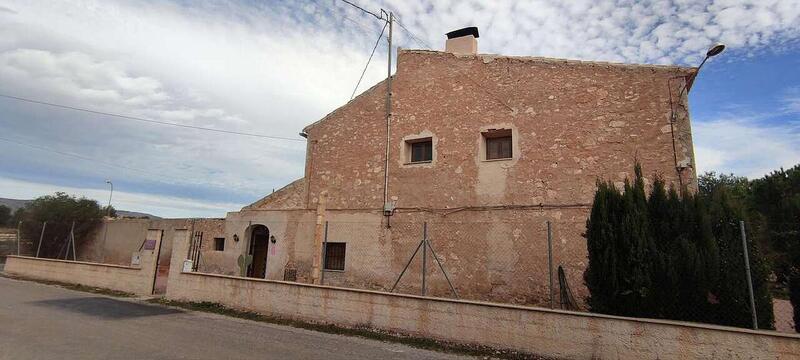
<point>259,244</point>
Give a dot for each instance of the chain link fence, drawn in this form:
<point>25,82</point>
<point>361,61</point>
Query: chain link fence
<point>534,263</point>
<point>67,240</point>
<point>506,262</point>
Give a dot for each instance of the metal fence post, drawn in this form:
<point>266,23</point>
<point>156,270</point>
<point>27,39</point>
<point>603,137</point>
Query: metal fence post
<point>41,237</point>
<point>72,236</point>
<point>19,237</point>
<point>324,254</point>
<point>749,278</point>
<point>550,261</point>
<point>424,256</point>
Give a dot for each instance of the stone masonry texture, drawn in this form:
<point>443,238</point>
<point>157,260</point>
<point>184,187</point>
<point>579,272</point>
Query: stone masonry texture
<point>572,123</point>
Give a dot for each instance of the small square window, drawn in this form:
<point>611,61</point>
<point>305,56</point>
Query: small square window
<point>219,244</point>
<point>498,144</point>
<point>421,150</point>
<point>334,256</point>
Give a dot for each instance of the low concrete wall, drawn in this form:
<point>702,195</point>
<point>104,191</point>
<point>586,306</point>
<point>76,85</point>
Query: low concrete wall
<point>136,280</point>
<point>547,332</point>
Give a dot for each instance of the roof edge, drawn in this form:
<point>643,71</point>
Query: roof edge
<point>548,60</point>
<point>264,199</point>
<point>330,114</point>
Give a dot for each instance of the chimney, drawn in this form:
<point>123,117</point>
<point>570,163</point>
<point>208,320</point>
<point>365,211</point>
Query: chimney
<point>463,41</point>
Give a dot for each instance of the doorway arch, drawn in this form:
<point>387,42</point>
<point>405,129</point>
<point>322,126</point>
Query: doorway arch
<point>258,248</point>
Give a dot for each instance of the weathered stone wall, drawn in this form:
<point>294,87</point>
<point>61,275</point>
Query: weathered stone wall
<point>125,236</point>
<point>572,123</point>
<point>498,256</point>
<point>293,231</point>
<point>553,333</point>
<point>137,280</point>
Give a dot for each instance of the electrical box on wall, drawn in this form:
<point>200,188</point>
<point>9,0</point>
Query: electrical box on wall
<point>388,208</point>
<point>136,259</point>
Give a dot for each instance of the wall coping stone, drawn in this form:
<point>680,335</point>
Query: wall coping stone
<point>76,262</point>
<point>514,307</point>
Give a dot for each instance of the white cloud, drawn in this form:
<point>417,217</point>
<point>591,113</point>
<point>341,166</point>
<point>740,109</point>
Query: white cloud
<point>274,67</point>
<point>163,206</point>
<point>647,31</point>
<point>791,100</point>
<point>745,147</point>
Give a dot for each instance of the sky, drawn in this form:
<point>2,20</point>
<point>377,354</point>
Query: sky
<point>273,67</point>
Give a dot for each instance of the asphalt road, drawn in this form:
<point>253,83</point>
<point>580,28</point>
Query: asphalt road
<point>49,322</point>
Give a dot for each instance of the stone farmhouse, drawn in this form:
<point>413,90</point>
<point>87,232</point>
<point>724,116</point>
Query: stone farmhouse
<point>484,148</point>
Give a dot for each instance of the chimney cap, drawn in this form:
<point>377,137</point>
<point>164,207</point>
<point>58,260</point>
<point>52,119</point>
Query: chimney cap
<point>472,30</point>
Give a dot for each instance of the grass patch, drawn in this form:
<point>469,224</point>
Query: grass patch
<point>76,287</point>
<point>361,331</point>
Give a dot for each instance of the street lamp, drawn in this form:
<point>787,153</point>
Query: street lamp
<point>108,209</point>
<point>687,86</point>
<point>108,214</point>
<point>713,51</point>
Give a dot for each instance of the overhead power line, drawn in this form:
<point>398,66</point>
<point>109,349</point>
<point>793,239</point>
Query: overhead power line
<point>146,120</point>
<point>364,10</point>
<point>86,158</point>
<point>369,60</point>
<point>419,41</point>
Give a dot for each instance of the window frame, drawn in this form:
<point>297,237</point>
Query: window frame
<point>328,254</point>
<point>412,143</point>
<point>217,242</point>
<point>501,136</point>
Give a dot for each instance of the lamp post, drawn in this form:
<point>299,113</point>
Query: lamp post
<point>713,51</point>
<point>108,209</point>
<point>687,86</point>
<point>108,214</point>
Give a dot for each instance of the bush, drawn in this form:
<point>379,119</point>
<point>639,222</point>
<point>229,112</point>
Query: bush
<point>671,256</point>
<point>59,211</point>
<point>5,215</point>
<point>794,297</point>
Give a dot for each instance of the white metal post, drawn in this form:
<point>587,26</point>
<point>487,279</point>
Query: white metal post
<point>41,237</point>
<point>749,278</point>
<point>19,237</point>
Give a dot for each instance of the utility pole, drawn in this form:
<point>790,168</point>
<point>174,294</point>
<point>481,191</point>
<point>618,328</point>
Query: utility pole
<point>388,116</point>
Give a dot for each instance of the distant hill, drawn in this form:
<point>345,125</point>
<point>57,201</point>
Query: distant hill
<point>15,204</point>
<point>134,214</point>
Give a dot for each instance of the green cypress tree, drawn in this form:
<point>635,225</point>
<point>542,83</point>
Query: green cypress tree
<point>794,296</point>
<point>731,289</point>
<point>601,229</point>
<point>620,248</point>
